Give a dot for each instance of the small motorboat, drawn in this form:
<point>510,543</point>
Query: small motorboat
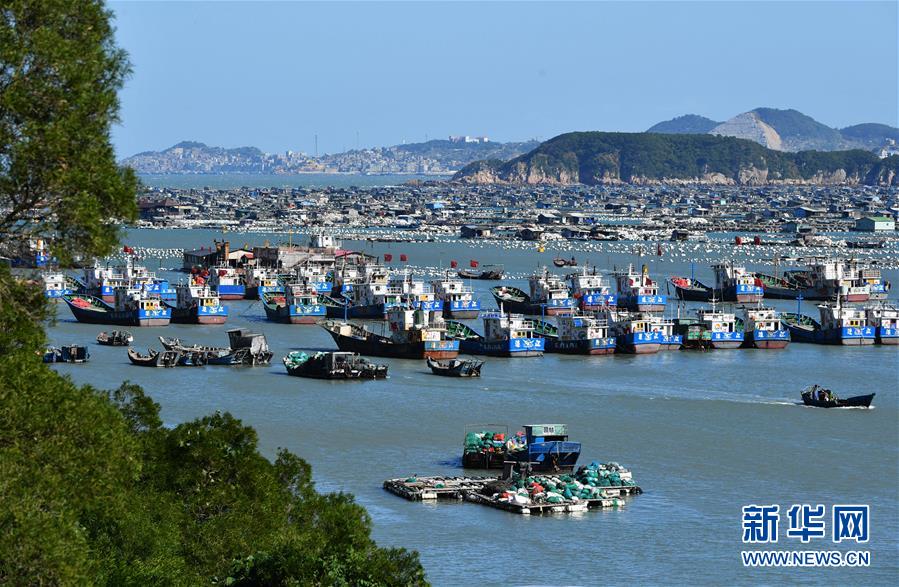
<point>489,273</point>
<point>115,338</point>
<point>820,397</point>
<point>72,353</point>
<point>332,365</point>
<point>560,262</point>
<point>154,358</point>
<point>455,368</point>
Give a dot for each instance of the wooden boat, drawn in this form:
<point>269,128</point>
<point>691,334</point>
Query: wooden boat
<point>456,368</point>
<point>154,358</point>
<point>819,397</point>
<point>115,338</point>
<point>242,354</point>
<point>72,353</point>
<point>414,334</point>
<point>132,308</point>
<point>489,273</point>
<point>333,365</point>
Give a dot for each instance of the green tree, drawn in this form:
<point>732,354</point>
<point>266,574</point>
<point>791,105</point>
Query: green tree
<point>60,73</point>
<point>93,488</point>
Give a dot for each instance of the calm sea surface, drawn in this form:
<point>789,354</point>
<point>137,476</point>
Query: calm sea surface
<point>704,433</point>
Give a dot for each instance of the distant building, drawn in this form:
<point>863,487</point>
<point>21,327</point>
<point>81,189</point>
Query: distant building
<point>875,224</point>
<point>468,139</point>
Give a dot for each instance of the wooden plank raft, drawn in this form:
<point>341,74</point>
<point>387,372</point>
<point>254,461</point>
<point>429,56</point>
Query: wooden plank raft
<point>468,489</point>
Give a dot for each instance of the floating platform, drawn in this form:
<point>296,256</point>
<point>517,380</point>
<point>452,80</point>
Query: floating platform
<point>469,489</point>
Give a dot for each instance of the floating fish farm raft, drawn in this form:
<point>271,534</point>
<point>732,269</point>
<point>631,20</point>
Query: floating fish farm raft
<point>592,487</point>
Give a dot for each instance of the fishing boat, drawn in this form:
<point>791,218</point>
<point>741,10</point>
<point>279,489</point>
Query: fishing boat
<point>824,280</point>
<point>638,292</point>
<point>633,332</point>
<point>710,329</point>
<point>669,340</point>
<point>154,358</point>
<point>115,338</point>
<point>591,291</point>
<point>885,320</point>
<point>336,306</point>
<point>580,335</point>
<point>820,397</point>
<point>70,353</point>
<point>763,329</point>
<point>103,281</point>
<point>840,325</point>
<point>869,274</point>
<point>197,303</point>
<point>487,273</point>
<point>732,284</point>
<point>548,296</point>
<point>132,307</point>
<point>57,284</point>
<point>455,367</point>
<point>261,281</point>
<point>458,299</point>
<point>544,446</point>
<point>505,335</point>
<point>332,365</point>
<point>225,280</point>
<point>414,334</point>
<point>297,305</point>
<point>372,299</point>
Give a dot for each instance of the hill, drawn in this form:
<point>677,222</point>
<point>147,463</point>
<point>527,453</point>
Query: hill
<point>784,130</point>
<point>601,157</point>
<point>686,124</point>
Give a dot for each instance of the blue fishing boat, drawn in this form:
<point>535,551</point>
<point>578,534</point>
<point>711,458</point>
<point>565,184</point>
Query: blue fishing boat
<point>633,332</point>
<point>840,325</point>
<point>638,292</point>
<point>548,296</point>
<point>885,320</point>
<point>57,284</point>
<point>133,307</point>
<point>298,305</point>
<point>544,446</point>
<point>764,329</point>
<point>506,335</point>
<point>227,282</point>
<point>591,291</point>
<point>458,299</point>
<point>578,335</point>
<point>197,303</point>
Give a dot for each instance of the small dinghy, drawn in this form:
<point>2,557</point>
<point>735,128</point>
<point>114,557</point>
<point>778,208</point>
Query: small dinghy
<point>455,368</point>
<point>72,353</point>
<point>821,397</point>
<point>154,358</point>
<point>115,338</point>
<point>560,262</point>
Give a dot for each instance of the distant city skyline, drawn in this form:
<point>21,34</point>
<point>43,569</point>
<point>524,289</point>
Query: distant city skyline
<point>275,75</point>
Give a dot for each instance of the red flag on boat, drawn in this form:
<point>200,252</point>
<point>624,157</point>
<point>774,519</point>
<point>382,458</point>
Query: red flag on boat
<point>403,257</point>
<point>738,240</point>
<point>473,263</point>
<point>388,257</point>
<point>757,240</point>
<point>454,264</point>
<point>127,249</point>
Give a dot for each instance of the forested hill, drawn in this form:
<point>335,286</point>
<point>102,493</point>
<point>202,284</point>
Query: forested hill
<point>601,157</point>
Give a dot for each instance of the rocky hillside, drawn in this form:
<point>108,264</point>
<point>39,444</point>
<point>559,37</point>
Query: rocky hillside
<point>784,130</point>
<point>600,157</point>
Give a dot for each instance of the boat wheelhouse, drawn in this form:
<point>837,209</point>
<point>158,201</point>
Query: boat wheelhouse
<point>56,284</point>
<point>581,335</point>
<point>299,304</point>
<point>458,299</point>
<point>638,292</point>
<point>227,282</point>
<point>885,320</point>
<point>261,281</point>
<point>197,303</point>
<point>591,291</point>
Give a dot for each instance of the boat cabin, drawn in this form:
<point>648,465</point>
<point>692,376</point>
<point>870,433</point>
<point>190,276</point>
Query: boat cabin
<point>573,327</point>
<point>638,284</point>
<point>762,319</point>
<point>546,288</point>
<point>507,326</point>
<point>715,321</point>
<point>537,433</point>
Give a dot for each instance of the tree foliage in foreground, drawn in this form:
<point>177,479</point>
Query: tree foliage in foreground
<point>93,489</point>
<point>60,73</point>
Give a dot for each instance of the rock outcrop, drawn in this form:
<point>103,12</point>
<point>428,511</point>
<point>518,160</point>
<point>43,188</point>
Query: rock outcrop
<point>749,126</point>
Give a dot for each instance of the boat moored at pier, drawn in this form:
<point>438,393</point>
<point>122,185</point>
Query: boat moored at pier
<point>732,284</point>
<point>885,321</point>
<point>227,282</point>
<point>299,304</point>
<point>763,329</point>
<point>458,299</point>
<point>132,307</point>
<point>840,325</point>
<point>197,303</point>
<point>414,334</point>
<point>505,335</point>
<point>545,447</point>
<point>580,335</point>
<point>261,281</point>
<point>638,292</point>
<point>634,332</point>
<point>56,284</point>
<point>591,291</point>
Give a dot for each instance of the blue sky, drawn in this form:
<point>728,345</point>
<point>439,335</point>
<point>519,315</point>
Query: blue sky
<point>274,74</point>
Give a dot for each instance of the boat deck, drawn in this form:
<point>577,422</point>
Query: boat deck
<point>468,489</point>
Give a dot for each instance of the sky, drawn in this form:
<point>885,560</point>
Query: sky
<point>275,74</point>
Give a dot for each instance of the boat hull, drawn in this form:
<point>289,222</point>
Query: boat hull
<point>294,313</point>
<point>461,309</point>
<point>544,456</point>
<point>846,336</point>
<point>639,343</point>
<point>671,342</point>
<point>859,401</point>
<point>885,335</point>
<point>160,317</point>
<point>514,348</point>
<point>764,339</point>
<point>532,308</point>
<point>199,315</point>
<point>643,303</point>
<point>376,346</point>
<point>231,292</point>
<point>587,346</point>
